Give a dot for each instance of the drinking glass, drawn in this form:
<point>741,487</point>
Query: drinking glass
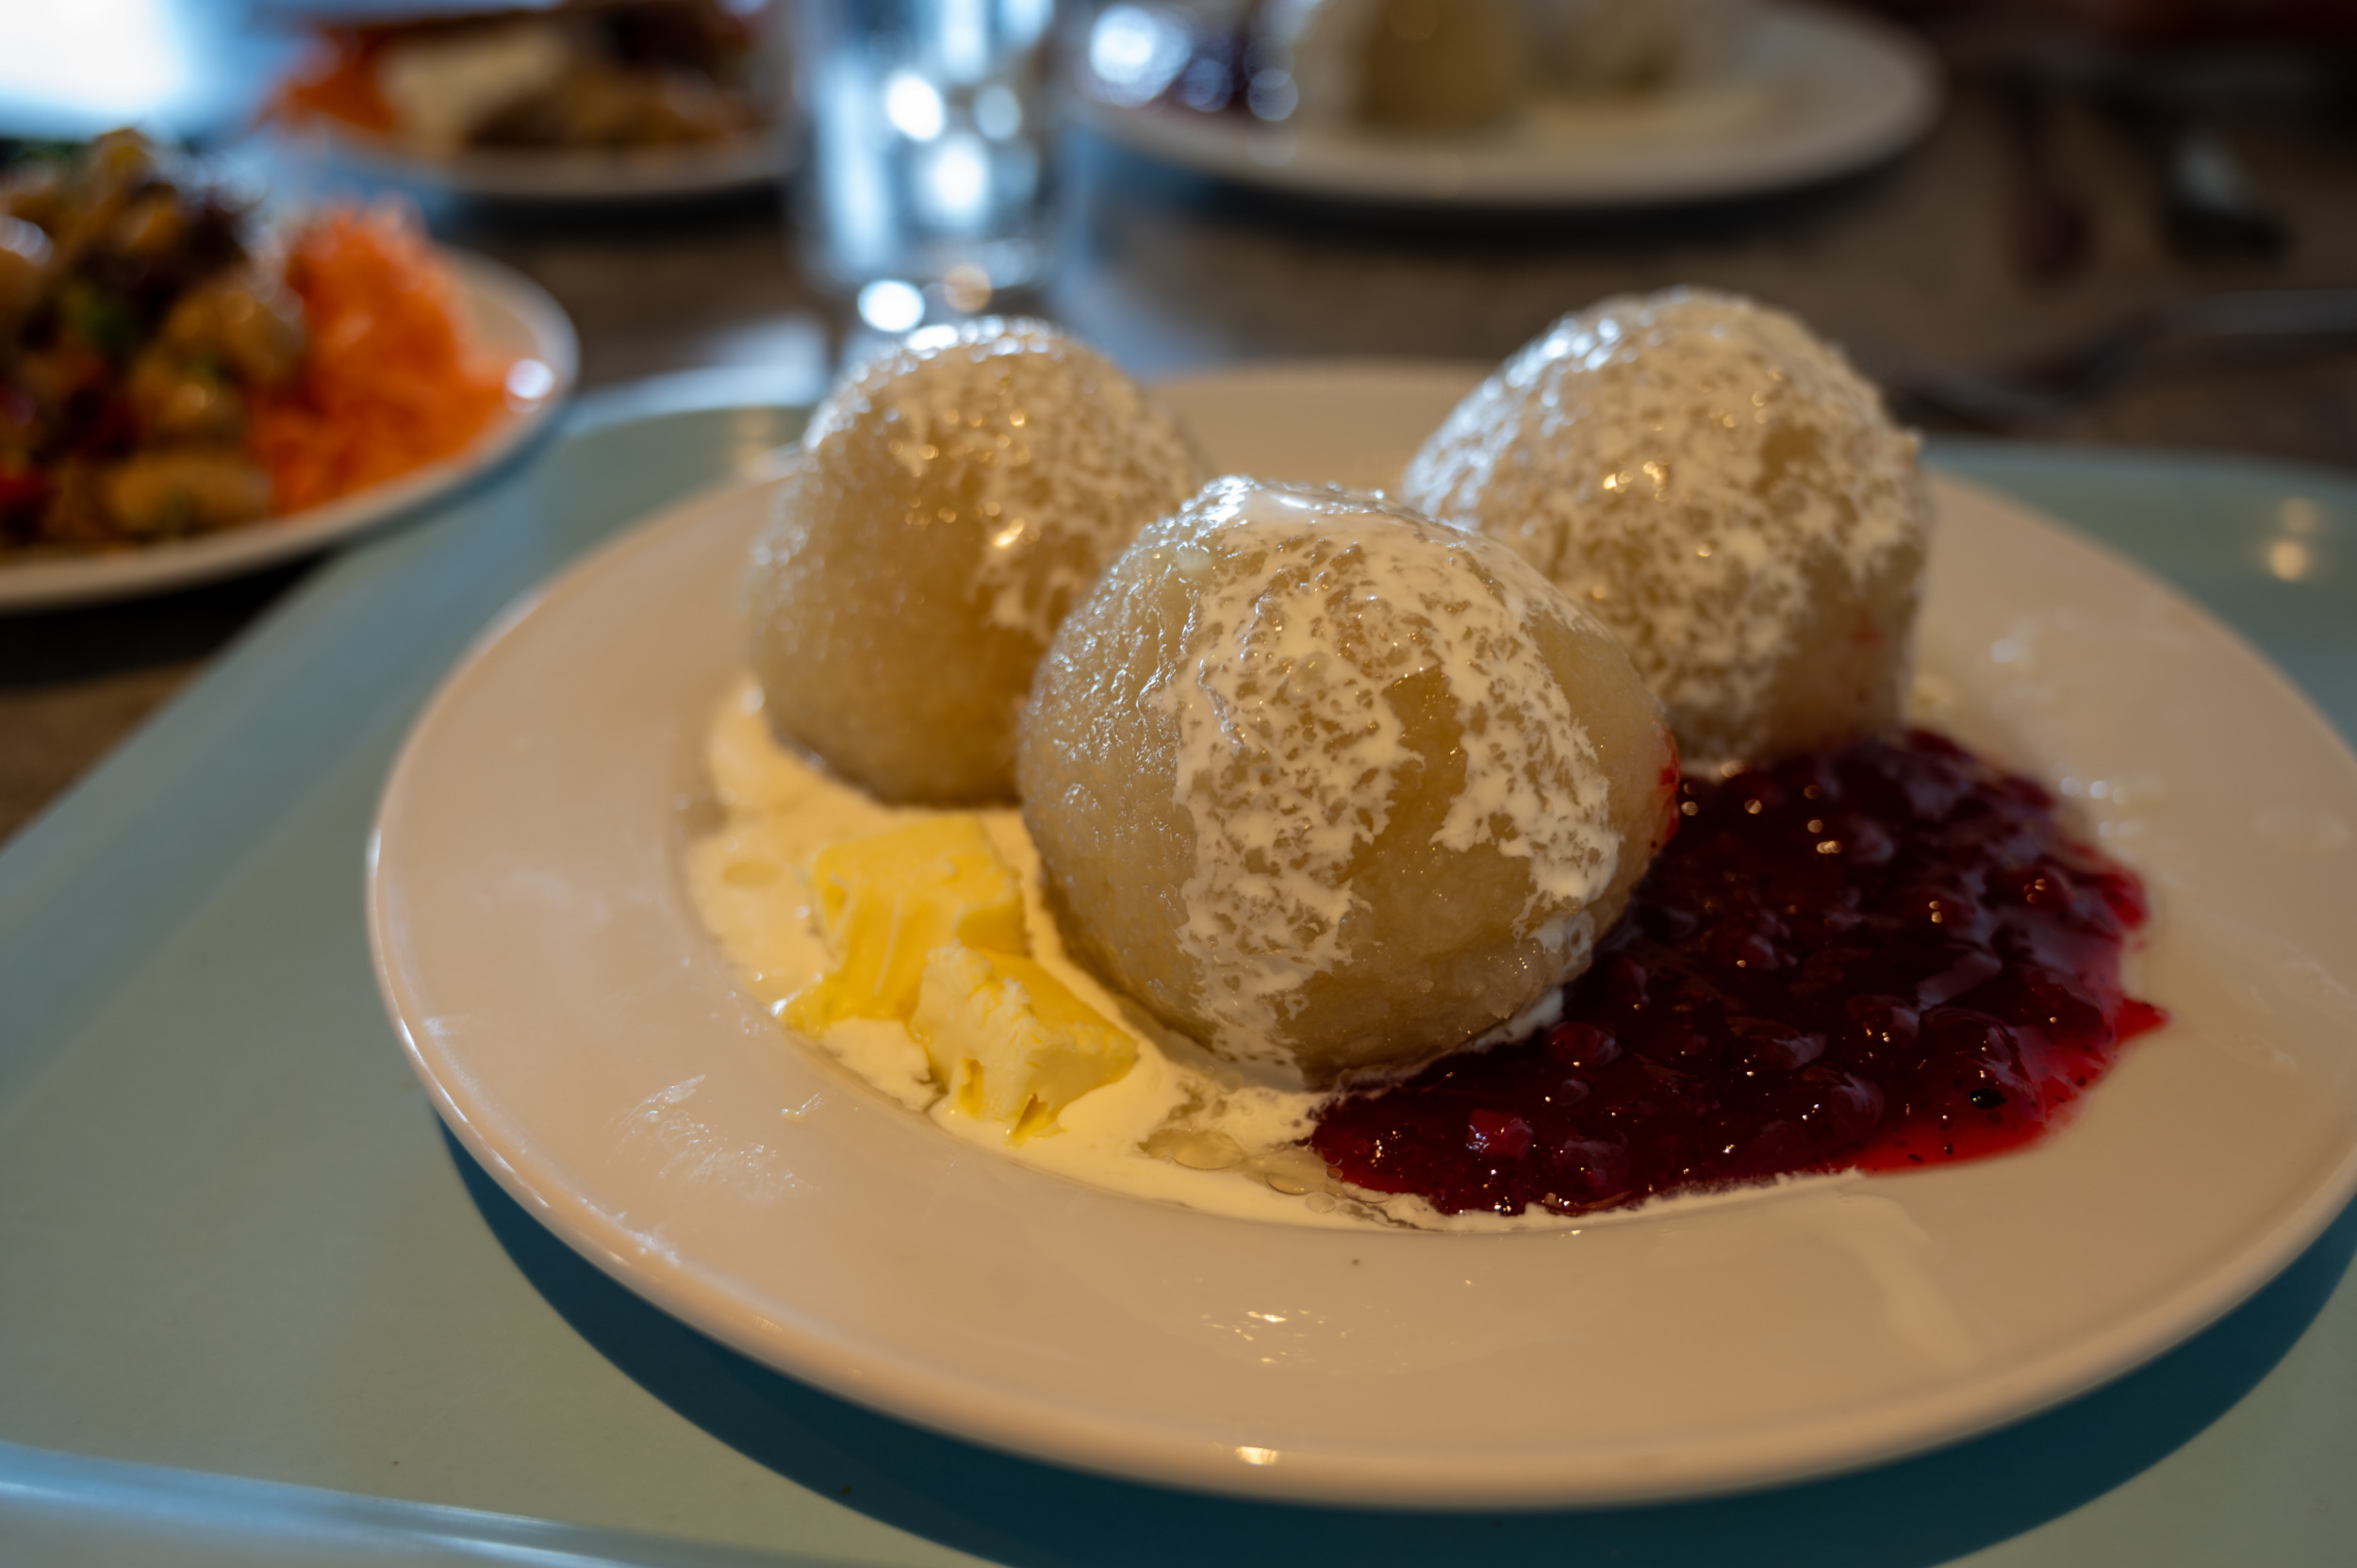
<point>928,179</point>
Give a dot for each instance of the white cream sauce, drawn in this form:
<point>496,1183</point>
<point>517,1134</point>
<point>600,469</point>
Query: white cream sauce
<point>1182,1126</point>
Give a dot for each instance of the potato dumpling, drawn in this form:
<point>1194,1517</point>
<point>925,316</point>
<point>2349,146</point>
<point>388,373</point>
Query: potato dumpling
<point>951,501</point>
<point>1332,787</point>
<point>1720,488</point>
<point>1443,67</point>
<point>1429,66</point>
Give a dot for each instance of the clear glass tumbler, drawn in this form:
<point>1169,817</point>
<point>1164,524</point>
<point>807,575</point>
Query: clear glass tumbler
<point>929,153</point>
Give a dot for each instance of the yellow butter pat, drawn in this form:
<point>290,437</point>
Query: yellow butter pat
<point>1009,1042</point>
<point>885,900</point>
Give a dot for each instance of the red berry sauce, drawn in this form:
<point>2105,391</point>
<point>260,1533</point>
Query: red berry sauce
<point>1883,956</point>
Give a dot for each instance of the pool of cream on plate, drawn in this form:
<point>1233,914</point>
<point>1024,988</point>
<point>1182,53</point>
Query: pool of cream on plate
<point>746,878</point>
<point>747,881</point>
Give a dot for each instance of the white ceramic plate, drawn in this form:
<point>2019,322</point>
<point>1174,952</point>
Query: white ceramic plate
<point>539,953</point>
<point>513,318</point>
<point>1816,94</point>
<point>570,176</point>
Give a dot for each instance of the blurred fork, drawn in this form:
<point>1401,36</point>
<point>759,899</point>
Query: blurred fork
<point>2049,389</point>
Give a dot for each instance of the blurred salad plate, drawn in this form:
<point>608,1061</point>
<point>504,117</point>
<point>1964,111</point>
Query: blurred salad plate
<point>585,100</point>
<point>1533,104</point>
<point>187,393</point>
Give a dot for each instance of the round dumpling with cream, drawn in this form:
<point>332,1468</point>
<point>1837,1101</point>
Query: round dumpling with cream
<point>951,502</point>
<point>1717,486</point>
<point>1332,787</point>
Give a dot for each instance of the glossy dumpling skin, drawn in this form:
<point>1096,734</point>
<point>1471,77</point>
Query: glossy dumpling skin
<point>951,501</point>
<point>1334,788</point>
<point>1717,486</point>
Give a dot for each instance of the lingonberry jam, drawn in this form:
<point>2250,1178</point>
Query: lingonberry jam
<point>1883,956</point>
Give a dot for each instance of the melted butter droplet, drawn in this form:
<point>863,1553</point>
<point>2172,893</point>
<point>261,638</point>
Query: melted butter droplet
<point>2288,559</point>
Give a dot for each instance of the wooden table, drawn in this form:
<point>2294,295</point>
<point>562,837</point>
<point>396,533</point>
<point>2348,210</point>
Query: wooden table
<point>1167,272</point>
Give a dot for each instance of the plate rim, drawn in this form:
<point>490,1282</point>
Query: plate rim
<point>573,176</point>
<point>1221,151</point>
<point>67,582</point>
<point>1132,1450</point>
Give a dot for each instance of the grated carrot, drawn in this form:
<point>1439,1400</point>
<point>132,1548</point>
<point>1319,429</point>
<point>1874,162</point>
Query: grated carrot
<point>391,380</point>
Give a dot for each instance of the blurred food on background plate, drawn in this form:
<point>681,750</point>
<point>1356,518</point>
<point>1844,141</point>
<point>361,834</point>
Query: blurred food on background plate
<point>171,366</point>
<point>608,75</point>
<point>1427,66</point>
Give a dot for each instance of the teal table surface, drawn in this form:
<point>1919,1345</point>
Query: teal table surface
<point>256,1308</point>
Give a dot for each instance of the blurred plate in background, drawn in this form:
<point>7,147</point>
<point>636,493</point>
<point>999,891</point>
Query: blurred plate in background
<point>514,319</point>
<point>571,176</point>
<point>1812,95</point>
